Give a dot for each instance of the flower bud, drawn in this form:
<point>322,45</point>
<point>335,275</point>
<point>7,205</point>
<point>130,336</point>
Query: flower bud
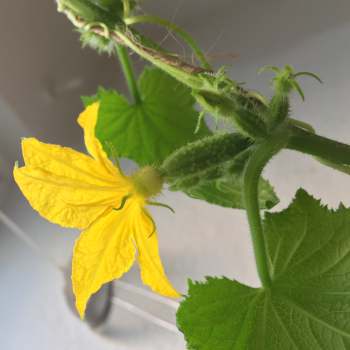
<point>108,12</point>
<point>245,121</point>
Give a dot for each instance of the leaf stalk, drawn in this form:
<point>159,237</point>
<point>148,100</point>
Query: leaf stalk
<point>263,153</point>
<point>128,72</point>
<point>329,152</point>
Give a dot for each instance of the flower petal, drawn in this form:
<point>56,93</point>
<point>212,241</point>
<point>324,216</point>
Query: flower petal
<point>87,120</point>
<point>66,162</point>
<point>152,271</point>
<point>105,251</point>
<point>67,187</point>
<point>64,201</point>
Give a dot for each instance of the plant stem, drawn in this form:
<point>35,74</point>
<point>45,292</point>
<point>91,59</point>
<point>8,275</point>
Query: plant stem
<point>126,6</point>
<point>330,151</point>
<point>128,72</point>
<point>339,167</point>
<point>264,151</point>
<point>174,28</point>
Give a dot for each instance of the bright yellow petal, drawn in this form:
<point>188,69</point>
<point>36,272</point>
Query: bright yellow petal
<point>64,201</point>
<point>87,120</point>
<point>67,187</point>
<point>66,162</point>
<point>102,253</point>
<point>152,271</point>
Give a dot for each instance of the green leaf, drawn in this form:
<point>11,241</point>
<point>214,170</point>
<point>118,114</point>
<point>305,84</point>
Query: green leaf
<point>227,192</point>
<point>150,131</point>
<point>308,305</point>
<point>88,100</point>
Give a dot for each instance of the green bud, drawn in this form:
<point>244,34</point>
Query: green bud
<point>217,105</point>
<point>204,154</point>
<point>249,124</point>
<point>279,110</point>
<point>245,121</point>
<point>285,79</point>
<point>97,42</point>
<point>108,12</point>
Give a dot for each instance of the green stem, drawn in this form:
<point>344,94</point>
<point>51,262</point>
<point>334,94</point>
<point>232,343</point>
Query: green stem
<point>126,6</point>
<point>321,147</point>
<point>339,167</point>
<point>264,151</point>
<point>128,73</point>
<point>173,27</point>
<point>176,70</point>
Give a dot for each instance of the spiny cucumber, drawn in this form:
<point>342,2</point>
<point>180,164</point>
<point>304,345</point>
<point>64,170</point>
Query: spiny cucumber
<point>203,154</point>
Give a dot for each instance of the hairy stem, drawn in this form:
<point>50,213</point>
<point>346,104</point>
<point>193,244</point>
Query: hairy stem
<point>174,28</point>
<point>264,151</point>
<point>339,167</point>
<point>128,73</point>
<point>330,151</point>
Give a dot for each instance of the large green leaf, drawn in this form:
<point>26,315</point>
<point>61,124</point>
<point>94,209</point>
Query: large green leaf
<point>227,192</point>
<point>308,305</point>
<point>150,131</point>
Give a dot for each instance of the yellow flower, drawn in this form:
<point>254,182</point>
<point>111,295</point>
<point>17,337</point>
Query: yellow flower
<point>75,190</point>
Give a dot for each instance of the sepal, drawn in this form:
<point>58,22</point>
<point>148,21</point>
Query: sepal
<point>284,82</point>
<point>102,44</point>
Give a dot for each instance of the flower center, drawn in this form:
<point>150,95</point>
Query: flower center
<point>147,181</point>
